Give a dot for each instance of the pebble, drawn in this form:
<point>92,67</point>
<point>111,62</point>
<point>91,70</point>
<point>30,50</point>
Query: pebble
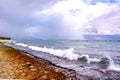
<point>28,62</point>
<point>24,74</point>
<point>52,79</point>
<point>44,76</point>
<point>33,69</point>
<point>46,72</point>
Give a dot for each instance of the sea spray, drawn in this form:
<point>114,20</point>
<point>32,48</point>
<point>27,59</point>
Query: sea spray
<point>70,54</point>
<point>81,69</point>
<point>66,53</point>
<point>112,65</point>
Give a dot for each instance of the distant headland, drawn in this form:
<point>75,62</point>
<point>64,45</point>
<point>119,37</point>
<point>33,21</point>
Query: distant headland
<point>5,39</point>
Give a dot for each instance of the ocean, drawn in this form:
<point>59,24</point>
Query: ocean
<point>90,54</point>
<point>84,44</point>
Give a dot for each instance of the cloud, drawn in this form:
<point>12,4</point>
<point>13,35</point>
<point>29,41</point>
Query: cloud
<point>103,1</point>
<point>15,32</point>
<point>59,19</point>
<point>78,15</point>
<point>16,14</point>
<point>110,25</point>
<point>32,31</point>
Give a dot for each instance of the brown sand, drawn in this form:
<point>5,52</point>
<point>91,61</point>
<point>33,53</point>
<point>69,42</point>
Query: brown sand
<point>15,65</point>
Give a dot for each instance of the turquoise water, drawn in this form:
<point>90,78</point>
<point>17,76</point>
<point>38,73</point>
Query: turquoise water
<point>61,44</point>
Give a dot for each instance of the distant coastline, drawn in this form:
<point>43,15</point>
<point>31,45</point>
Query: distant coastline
<point>5,39</point>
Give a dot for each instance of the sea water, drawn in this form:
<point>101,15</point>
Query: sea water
<point>88,51</point>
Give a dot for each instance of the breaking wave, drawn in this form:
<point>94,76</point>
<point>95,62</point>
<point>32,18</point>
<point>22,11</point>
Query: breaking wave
<point>66,53</point>
<point>112,65</point>
<point>21,44</point>
<point>70,54</point>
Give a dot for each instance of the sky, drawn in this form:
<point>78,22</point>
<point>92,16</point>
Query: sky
<point>60,19</point>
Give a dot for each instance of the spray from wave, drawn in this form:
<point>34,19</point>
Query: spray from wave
<point>70,54</point>
<point>67,53</point>
<point>112,65</point>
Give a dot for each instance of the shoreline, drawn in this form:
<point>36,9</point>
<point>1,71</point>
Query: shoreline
<point>15,64</point>
<point>83,74</point>
<point>54,72</point>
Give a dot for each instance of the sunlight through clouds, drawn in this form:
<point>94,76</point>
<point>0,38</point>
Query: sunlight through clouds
<point>60,19</point>
<point>77,16</point>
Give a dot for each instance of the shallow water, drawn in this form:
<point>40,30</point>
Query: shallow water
<point>93,51</point>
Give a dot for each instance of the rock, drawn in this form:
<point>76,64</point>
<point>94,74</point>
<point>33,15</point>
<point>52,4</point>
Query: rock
<point>33,69</point>
<point>28,63</point>
<point>44,77</point>
<point>46,72</point>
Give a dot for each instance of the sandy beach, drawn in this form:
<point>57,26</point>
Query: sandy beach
<point>5,41</point>
<point>15,65</point>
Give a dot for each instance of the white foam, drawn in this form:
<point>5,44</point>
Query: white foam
<point>21,44</point>
<point>93,60</point>
<point>112,65</point>
<point>69,54</point>
<point>66,53</point>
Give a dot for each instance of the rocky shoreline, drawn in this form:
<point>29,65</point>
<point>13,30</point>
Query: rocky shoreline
<point>69,73</point>
<point>14,64</point>
<point>82,73</point>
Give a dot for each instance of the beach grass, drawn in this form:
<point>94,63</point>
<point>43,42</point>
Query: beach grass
<point>6,47</point>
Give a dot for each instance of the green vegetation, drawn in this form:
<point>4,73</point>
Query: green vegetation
<point>82,59</point>
<point>2,46</point>
<point>5,38</point>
